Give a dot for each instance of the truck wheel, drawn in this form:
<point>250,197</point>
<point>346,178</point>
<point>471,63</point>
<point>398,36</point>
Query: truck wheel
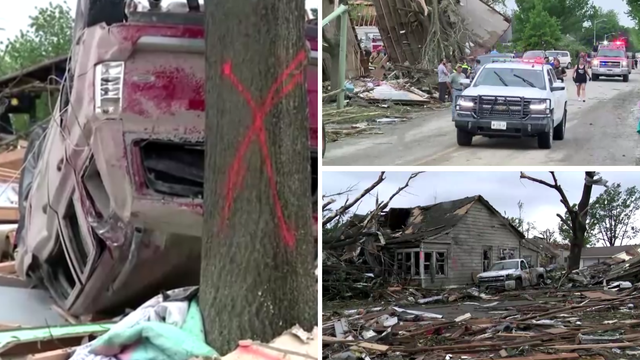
<point>558,131</point>
<point>595,77</point>
<point>568,66</point>
<point>464,138</point>
<point>625,78</point>
<point>518,284</point>
<point>545,139</point>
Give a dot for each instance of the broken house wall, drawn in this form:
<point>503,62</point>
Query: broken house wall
<point>480,229</point>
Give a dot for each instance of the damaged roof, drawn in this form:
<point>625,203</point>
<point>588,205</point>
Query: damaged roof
<point>437,219</point>
<point>606,251</point>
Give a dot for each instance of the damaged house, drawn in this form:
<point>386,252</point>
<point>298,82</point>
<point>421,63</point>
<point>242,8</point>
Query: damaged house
<point>449,243</point>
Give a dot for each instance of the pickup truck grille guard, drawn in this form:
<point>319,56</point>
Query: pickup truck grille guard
<point>493,279</point>
<point>511,107</point>
<point>609,64</point>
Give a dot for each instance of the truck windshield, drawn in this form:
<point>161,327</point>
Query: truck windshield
<point>505,265</point>
<point>510,77</point>
<point>611,53</point>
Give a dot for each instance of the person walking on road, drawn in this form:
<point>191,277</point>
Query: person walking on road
<point>580,76</point>
<point>560,71</point>
<point>456,87</point>
<point>443,79</point>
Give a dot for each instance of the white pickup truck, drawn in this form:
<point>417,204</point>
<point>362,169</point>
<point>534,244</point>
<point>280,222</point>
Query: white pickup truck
<point>510,275</point>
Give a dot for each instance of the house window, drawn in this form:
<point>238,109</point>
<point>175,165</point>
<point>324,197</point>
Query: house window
<point>507,254</point>
<point>408,262</point>
<point>441,265</point>
<point>486,259</point>
<point>566,258</point>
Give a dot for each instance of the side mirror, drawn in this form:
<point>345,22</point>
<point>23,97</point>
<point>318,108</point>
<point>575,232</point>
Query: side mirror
<point>557,87</point>
<point>465,83</point>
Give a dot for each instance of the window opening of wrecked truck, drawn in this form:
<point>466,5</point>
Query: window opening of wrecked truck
<point>505,265</point>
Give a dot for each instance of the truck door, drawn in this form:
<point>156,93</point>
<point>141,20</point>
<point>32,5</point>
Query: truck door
<point>553,95</point>
<point>526,273</point>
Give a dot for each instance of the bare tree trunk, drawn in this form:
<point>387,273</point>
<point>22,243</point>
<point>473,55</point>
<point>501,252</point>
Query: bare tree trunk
<point>579,224</point>
<point>257,277</point>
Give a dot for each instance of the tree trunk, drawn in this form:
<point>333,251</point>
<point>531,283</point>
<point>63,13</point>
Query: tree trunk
<point>579,223</point>
<point>257,277</point>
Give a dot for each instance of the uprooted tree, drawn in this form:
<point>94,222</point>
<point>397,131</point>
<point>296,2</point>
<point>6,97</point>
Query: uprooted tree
<point>578,216</point>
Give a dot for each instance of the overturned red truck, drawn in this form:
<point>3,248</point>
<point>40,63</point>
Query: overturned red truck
<point>111,194</point>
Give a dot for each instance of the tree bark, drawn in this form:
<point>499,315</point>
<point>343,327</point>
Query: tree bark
<point>579,224</point>
<point>254,284</point>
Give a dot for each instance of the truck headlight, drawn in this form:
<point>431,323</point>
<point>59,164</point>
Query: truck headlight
<point>511,276</point>
<point>540,107</point>
<point>594,63</point>
<point>108,87</point>
<point>624,63</point>
<point>464,104</point>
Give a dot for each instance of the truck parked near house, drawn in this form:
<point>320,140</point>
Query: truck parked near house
<point>510,275</point>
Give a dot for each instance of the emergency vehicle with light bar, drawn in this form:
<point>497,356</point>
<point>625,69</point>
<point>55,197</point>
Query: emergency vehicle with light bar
<point>512,99</point>
<point>611,61</point>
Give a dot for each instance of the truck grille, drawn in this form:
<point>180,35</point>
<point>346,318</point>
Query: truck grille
<point>498,106</point>
<point>492,279</point>
<point>610,64</point>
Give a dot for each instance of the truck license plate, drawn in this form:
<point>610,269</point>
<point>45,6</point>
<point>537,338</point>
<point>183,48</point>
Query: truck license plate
<point>498,125</point>
<point>610,70</point>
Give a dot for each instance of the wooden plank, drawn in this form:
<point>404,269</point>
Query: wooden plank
<point>597,295</point>
<point>593,346</point>
<point>60,354</point>
<point>565,356</point>
<point>556,331</point>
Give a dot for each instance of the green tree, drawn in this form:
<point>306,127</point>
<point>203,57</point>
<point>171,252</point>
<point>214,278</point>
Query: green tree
<point>634,11</point>
<point>48,35</point>
<point>570,14</point>
<point>613,214</point>
<point>540,30</point>
<point>608,23</point>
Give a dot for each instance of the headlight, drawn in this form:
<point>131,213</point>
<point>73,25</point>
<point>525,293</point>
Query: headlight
<point>511,276</point>
<point>540,107</point>
<point>464,104</point>
<point>108,87</point>
<point>624,63</point>
<point>594,63</point>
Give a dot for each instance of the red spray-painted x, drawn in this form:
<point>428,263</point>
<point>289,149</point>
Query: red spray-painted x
<point>286,82</point>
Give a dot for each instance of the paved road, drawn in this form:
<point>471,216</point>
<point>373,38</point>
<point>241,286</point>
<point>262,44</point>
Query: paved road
<point>601,131</point>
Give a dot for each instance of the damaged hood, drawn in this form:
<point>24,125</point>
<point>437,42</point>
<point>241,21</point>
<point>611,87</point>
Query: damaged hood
<point>528,92</point>
<point>496,273</point>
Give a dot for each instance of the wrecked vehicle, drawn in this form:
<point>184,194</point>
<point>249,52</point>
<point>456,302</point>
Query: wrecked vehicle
<point>510,275</point>
<point>111,196</point>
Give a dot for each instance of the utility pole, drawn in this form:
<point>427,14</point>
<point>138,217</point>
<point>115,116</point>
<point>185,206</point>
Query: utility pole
<point>595,24</point>
<point>257,271</point>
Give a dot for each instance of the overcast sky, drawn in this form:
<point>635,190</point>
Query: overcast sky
<point>15,18</point>
<point>502,189</point>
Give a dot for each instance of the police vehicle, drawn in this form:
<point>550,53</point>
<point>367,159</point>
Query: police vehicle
<point>515,99</point>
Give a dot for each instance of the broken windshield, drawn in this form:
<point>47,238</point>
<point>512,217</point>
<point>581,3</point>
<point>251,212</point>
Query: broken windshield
<point>505,265</point>
<point>511,77</point>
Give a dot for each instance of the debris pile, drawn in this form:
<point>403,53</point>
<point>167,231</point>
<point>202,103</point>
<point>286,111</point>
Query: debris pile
<point>558,329</point>
<point>168,326</point>
<point>590,313</point>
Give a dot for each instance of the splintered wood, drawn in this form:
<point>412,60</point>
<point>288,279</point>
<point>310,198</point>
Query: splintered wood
<point>571,328</point>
